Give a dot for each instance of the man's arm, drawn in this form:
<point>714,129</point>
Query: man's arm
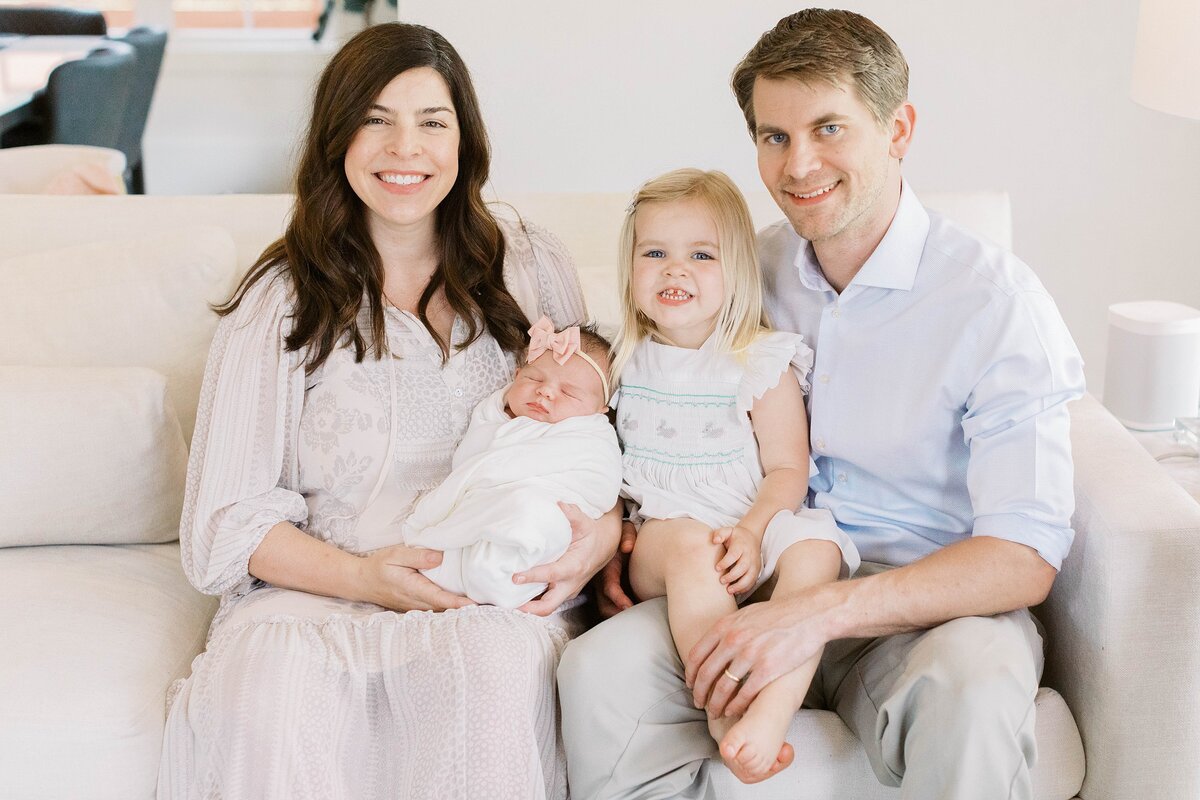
<point>975,577</point>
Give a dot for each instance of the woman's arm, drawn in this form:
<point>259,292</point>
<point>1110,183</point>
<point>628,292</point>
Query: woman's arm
<point>290,558</point>
<point>593,543</point>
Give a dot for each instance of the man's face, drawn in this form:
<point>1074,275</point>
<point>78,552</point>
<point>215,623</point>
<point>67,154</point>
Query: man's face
<point>825,159</point>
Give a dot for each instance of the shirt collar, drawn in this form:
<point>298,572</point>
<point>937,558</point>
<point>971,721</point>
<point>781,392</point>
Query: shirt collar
<point>893,264</point>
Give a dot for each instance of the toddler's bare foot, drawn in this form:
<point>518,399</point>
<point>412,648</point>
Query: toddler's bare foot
<point>753,747</point>
<point>719,726</point>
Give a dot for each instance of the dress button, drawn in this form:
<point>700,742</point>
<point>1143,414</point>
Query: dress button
<point>824,379</point>
<point>841,477</point>
<point>458,392</point>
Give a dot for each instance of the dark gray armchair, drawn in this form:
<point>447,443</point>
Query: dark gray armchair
<point>33,21</point>
<point>149,45</point>
<point>84,101</point>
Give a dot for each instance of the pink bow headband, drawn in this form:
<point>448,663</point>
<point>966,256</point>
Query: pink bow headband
<point>563,345</point>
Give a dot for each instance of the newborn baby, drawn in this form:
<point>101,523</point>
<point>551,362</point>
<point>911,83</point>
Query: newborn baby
<point>542,439</point>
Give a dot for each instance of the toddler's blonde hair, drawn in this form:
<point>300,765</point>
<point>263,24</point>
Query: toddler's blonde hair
<point>741,319</point>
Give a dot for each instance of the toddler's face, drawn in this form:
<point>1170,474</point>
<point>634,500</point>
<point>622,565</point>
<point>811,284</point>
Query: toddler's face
<point>551,392</point>
<point>677,278</point>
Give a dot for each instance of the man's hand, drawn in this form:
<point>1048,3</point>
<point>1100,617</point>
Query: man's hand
<point>611,597</point>
<point>592,544</point>
<point>757,643</point>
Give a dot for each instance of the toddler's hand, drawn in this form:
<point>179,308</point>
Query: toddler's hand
<point>742,562</point>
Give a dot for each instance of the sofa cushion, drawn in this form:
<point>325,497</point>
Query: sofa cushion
<point>137,302</point>
<point>830,762</point>
<point>91,455</point>
<point>93,637</point>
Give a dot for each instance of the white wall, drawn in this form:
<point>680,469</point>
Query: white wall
<point>1025,96</point>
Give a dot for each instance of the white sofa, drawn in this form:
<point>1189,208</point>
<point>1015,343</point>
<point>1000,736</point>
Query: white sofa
<point>103,331</point>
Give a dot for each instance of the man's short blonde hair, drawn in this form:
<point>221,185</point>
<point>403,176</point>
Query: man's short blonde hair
<point>830,45</point>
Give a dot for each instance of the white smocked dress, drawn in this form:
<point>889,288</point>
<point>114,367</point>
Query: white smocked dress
<point>300,696</point>
<point>689,447</point>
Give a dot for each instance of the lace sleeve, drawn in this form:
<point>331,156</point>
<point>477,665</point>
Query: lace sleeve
<point>242,477</point>
<point>766,361</point>
<point>541,274</point>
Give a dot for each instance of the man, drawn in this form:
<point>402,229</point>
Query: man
<point>940,429</point>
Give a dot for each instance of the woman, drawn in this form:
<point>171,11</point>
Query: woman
<point>338,384</point>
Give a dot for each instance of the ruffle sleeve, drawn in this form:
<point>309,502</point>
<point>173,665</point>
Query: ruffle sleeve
<point>541,274</point>
<point>767,359</point>
<point>242,474</point>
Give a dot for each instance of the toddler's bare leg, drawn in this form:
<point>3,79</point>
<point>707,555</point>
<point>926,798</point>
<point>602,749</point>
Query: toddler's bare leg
<point>677,557</point>
<point>753,747</point>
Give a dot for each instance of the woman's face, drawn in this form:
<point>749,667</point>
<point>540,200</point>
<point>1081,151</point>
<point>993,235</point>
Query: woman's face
<point>404,159</point>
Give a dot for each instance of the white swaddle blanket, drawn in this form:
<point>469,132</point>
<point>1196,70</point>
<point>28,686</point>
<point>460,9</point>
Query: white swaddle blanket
<point>497,512</point>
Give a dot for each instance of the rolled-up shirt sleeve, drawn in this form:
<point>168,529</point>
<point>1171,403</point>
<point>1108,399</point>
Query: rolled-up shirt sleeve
<point>1020,475</point>
<point>242,476</point>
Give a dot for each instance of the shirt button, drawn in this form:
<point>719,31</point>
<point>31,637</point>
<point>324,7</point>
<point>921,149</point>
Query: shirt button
<point>841,477</point>
<point>837,312</point>
<point>819,444</point>
<point>824,379</point>
<point>458,392</point>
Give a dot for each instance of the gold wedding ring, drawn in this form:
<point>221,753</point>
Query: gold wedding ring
<point>733,677</point>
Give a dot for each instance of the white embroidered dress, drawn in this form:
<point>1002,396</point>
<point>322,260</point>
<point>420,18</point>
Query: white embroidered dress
<point>689,447</point>
<point>300,696</point>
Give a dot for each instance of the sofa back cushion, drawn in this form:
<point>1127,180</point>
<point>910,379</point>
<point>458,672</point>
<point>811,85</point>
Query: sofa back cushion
<point>91,455</point>
<point>135,302</point>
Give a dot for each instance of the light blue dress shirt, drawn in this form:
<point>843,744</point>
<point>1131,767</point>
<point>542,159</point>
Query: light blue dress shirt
<point>939,396</point>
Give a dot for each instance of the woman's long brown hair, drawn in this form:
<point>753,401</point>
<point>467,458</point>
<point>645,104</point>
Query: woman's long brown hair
<point>327,249</point>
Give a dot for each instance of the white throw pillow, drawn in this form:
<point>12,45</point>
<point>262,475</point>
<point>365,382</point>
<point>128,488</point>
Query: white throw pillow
<point>88,456</point>
<point>141,302</point>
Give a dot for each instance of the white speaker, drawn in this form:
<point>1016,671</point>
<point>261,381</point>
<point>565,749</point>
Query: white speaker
<point>1152,371</point>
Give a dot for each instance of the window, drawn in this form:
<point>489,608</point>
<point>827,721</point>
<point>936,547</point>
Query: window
<point>206,13</point>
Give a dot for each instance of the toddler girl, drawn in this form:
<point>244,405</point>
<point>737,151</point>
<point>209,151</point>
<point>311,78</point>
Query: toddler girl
<point>711,416</point>
<point>542,439</point>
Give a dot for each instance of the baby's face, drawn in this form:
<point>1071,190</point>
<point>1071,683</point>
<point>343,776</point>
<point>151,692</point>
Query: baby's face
<point>551,392</point>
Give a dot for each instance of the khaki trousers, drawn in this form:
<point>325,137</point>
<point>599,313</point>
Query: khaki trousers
<point>945,714</point>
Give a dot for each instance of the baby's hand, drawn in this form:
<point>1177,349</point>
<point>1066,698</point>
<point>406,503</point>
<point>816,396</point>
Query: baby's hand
<point>742,562</point>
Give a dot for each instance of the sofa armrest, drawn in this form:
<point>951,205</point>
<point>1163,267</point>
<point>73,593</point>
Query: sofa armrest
<point>1123,619</point>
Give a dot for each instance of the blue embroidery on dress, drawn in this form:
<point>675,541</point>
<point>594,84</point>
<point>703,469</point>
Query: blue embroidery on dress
<point>675,399</point>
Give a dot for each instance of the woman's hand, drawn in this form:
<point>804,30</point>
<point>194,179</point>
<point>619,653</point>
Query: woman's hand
<point>742,562</point>
<point>593,542</point>
<point>388,577</point>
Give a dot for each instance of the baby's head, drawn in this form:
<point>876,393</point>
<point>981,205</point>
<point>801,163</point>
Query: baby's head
<point>564,375</point>
<point>689,265</point>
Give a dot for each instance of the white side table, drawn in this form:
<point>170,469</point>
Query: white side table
<point>1177,458</point>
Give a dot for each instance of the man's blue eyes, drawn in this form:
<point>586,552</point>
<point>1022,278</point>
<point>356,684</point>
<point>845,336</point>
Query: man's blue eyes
<point>824,130</point>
